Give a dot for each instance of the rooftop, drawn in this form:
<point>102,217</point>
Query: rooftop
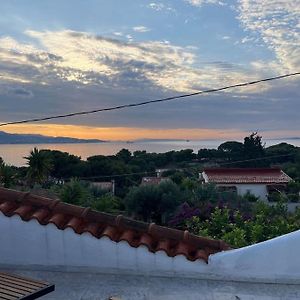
<point>246,175</point>
<point>118,228</point>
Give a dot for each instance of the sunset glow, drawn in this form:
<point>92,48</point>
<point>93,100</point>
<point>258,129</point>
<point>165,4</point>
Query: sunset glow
<point>129,133</point>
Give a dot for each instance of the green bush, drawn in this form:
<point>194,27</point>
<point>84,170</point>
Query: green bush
<point>293,197</point>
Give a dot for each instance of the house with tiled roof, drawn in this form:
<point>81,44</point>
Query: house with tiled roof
<point>92,255</point>
<point>257,181</point>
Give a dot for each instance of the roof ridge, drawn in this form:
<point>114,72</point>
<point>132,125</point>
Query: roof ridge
<point>65,215</point>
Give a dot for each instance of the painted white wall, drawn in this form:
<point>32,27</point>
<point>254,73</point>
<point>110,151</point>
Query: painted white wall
<point>259,190</point>
<point>29,243</point>
<point>274,259</point>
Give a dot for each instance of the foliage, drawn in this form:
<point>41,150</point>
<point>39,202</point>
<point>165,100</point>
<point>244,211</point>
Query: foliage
<point>7,175</point>
<point>107,203</point>
<point>81,193</point>
<point>65,165</point>
<point>232,150</point>
<point>205,193</point>
<point>183,213</point>
<point>75,192</point>
<point>250,197</point>
<point>266,222</point>
<point>153,202</point>
<point>40,166</point>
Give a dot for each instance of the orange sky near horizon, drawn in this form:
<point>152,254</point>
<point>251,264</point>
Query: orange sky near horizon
<point>132,133</point>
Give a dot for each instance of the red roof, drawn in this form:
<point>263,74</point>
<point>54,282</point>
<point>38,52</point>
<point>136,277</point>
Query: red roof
<point>246,175</point>
<point>117,228</point>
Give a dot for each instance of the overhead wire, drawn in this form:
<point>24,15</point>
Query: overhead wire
<point>213,90</point>
<point>175,169</point>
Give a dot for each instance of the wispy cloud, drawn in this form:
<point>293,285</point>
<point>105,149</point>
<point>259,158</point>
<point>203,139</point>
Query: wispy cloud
<point>201,2</point>
<point>91,59</point>
<point>159,6</point>
<point>156,6</point>
<point>277,23</point>
<point>226,37</point>
<point>118,33</point>
<point>141,29</point>
<point>92,71</point>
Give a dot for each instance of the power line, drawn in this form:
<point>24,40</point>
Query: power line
<point>150,101</point>
<point>117,175</point>
<point>176,169</point>
<point>254,159</point>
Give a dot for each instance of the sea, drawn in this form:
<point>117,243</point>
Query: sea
<point>13,154</point>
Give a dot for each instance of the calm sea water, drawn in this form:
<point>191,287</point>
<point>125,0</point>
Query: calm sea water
<point>14,154</point>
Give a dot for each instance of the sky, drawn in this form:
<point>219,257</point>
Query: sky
<point>63,56</point>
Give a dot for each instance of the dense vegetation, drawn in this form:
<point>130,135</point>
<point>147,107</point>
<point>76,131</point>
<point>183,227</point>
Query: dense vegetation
<point>181,202</point>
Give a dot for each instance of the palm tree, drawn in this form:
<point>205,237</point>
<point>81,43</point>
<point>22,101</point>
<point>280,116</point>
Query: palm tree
<point>40,166</point>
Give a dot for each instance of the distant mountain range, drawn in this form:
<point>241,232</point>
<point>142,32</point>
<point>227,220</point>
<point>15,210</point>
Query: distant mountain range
<point>8,138</point>
<point>159,140</point>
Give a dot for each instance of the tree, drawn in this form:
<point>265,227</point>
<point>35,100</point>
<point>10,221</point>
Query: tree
<point>124,155</point>
<point>75,192</point>
<point>253,149</point>
<point>40,166</point>
<point>232,150</point>
<point>106,203</point>
<point>153,202</point>
<point>65,164</point>
<point>7,175</point>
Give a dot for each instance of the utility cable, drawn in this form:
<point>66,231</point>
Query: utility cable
<point>175,169</point>
<point>150,101</point>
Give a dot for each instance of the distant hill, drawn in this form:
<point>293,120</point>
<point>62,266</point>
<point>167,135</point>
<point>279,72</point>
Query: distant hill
<point>8,138</point>
<point>159,140</point>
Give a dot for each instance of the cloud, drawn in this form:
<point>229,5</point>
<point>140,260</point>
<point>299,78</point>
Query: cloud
<point>73,71</point>
<point>276,23</point>
<point>89,59</point>
<point>19,92</point>
<point>117,33</point>
<point>201,2</point>
<point>141,29</point>
<point>156,6</point>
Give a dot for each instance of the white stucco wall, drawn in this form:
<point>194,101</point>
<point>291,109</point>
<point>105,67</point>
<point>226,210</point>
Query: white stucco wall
<point>259,190</point>
<point>273,260</point>
<point>29,243</point>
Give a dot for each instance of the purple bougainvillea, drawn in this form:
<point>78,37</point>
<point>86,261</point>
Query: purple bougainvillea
<point>184,212</point>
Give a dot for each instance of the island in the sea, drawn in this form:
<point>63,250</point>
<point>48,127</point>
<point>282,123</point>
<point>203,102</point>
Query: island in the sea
<point>9,138</point>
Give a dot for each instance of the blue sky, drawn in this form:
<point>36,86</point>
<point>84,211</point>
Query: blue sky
<point>64,56</point>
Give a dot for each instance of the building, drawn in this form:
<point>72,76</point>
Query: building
<point>153,180</point>
<point>107,186</point>
<point>93,255</point>
<point>257,181</point>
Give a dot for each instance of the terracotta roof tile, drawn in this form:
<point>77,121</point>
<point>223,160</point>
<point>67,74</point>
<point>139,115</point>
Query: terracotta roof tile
<point>246,175</point>
<point>117,228</point>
